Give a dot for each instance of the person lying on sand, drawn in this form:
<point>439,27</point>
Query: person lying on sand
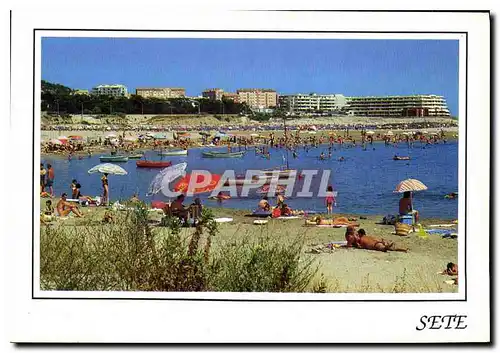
<point>64,208</point>
<point>351,237</point>
<point>451,269</point>
<point>371,243</point>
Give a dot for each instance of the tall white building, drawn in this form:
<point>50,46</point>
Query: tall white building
<point>110,90</point>
<point>398,106</point>
<point>309,103</point>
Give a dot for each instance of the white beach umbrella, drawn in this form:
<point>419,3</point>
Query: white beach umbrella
<point>62,137</point>
<point>370,132</point>
<point>108,168</point>
<point>165,177</point>
<point>111,135</point>
<point>389,133</point>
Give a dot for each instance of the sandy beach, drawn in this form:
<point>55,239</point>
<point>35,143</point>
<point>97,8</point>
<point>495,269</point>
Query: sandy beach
<point>343,270</point>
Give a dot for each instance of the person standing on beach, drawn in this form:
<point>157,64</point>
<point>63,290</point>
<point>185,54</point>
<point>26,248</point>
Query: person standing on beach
<point>50,179</point>
<point>105,188</point>
<point>330,200</point>
<point>43,173</point>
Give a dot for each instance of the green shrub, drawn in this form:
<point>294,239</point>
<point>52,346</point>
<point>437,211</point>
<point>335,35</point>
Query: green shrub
<point>128,256</point>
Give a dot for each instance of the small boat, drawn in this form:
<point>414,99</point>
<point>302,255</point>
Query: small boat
<point>223,154</point>
<point>396,158</point>
<point>153,164</point>
<point>135,156</point>
<point>113,158</point>
<point>173,153</point>
<point>282,174</point>
<point>243,181</point>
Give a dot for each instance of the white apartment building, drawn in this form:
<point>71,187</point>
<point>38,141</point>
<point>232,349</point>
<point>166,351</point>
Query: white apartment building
<point>110,90</point>
<point>308,103</point>
<point>398,106</point>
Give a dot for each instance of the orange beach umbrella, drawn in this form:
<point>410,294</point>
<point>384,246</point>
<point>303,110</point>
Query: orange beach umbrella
<point>199,184</point>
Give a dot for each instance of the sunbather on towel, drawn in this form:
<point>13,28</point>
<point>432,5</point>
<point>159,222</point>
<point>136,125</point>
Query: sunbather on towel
<point>371,243</point>
<point>64,207</point>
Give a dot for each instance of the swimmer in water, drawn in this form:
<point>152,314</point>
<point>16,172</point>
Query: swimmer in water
<point>341,159</point>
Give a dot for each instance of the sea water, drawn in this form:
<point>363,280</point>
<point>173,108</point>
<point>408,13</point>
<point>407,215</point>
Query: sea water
<point>364,181</point>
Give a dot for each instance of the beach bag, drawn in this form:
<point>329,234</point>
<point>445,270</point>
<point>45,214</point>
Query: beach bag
<point>402,229</point>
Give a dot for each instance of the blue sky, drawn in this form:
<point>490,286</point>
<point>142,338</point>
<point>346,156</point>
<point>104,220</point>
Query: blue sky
<point>350,67</point>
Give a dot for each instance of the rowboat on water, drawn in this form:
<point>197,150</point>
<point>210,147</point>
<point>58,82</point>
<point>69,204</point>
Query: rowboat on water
<point>405,158</point>
<point>173,153</point>
<point>152,164</point>
<point>243,181</point>
<point>135,156</point>
<point>223,154</point>
<point>113,158</point>
<point>282,174</point>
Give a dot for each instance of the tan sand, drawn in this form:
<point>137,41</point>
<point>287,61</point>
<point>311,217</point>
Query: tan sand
<point>345,270</point>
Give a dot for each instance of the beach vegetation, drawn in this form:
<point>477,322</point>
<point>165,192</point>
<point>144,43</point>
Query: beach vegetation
<point>130,256</point>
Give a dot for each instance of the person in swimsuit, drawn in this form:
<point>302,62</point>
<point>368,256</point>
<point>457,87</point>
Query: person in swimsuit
<point>371,243</point>
<point>451,269</point>
<point>64,208</point>
<point>105,188</point>
<point>43,173</point>
<point>330,200</point>
<point>50,179</point>
<point>351,237</point>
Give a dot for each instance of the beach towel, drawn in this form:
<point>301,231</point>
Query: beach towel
<point>260,221</point>
<point>260,213</point>
<point>443,225</point>
<point>223,219</point>
<point>158,204</point>
<point>287,217</point>
<point>439,231</point>
<point>331,225</point>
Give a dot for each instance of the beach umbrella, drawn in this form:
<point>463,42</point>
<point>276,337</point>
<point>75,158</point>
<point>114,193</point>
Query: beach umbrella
<point>56,142</point>
<point>62,138</point>
<point>389,133</point>
<point>220,134</point>
<point>184,187</point>
<point>108,136</point>
<point>425,132</point>
<point>76,137</point>
<point>165,177</point>
<point>370,132</point>
<point>254,135</point>
<point>108,168</point>
<point>410,185</point>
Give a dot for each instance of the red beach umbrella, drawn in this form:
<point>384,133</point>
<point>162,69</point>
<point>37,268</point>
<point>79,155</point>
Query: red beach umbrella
<point>185,185</point>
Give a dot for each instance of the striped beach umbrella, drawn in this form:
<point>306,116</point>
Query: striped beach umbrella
<point>410,185</point>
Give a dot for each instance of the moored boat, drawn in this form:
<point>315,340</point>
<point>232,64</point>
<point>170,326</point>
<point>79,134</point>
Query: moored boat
<point>213,154</point>
<point>173,153</point>
<point>135,156</point>
<point>152,164</point>
<point>113,158</point>
<point>405,158</point>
